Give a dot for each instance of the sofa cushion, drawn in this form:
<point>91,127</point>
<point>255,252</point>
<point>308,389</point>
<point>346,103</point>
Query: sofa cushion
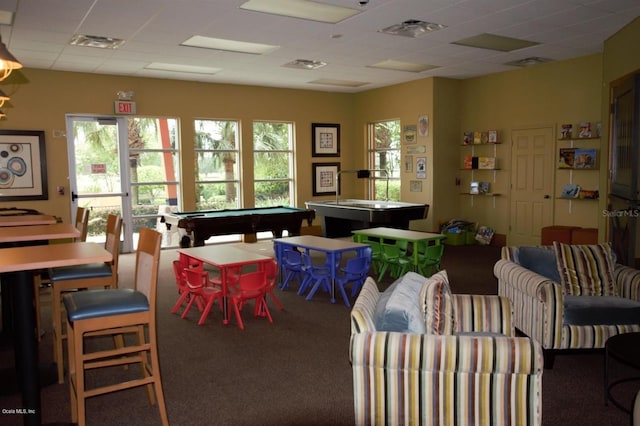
<point>600,310</point>
<point>403,310</point>
<point>437,305</point>
<point>381,304</point>
<point>586,270</point>
<point>541,260</point>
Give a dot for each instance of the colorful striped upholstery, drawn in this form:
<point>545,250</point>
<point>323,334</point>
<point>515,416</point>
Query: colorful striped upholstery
<point>427,379</point>
<point>538,306</point>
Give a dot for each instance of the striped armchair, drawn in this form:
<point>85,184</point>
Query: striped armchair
<point>539,306</point>
<point>480,375</point>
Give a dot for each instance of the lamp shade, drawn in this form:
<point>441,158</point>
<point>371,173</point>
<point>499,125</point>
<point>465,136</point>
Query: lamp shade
<point>8,62</point>
<point>3,98</point>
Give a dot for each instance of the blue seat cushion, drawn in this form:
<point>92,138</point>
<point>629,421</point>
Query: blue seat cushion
<point>600,310</point>
<point>101,303</point>
<point>91,270</point>
<point>540,260</point>
<point>381,304</point>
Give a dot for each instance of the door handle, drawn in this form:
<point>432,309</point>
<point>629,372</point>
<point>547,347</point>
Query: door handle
<point>546,196</point>
<point>74,196</point>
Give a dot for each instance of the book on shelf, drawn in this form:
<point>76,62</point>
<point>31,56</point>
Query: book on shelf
<point>589,194</point>
<point>493,136</point>
<point>484,137</point>
<point>570,190</point>
<point>474,188</point>
<point>487,163</point>
<point>484,235</point>
<point>585,129</point>
<point>585,158</point>
<point>477,137</point>
<point>467,138</point>
<point>566,131</point>
<point>483,187</point>
<point>567,157</point>
<point>468,162</point>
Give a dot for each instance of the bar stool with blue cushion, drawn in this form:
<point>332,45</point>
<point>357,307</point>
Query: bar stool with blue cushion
<point>117,312</point>
<point>72,278</point>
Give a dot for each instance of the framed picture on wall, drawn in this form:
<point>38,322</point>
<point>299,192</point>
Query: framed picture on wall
<point>23,165</point>
<point>325,178</point>
<point>326,140</point>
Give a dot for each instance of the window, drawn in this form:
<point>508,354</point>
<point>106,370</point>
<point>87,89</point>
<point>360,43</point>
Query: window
<point>154,167</point>
<point>217,165</point>
<point>384,154</point>
<point>273,163</point>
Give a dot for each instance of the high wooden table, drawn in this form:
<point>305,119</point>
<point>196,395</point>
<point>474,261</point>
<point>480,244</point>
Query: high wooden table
<point>16,265</point>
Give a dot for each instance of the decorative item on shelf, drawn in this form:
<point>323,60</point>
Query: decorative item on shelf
<point>483,187</point>
<point>493,136</point>
<point>589,194</point>
<point>585,129</point>
<point>487,163</point>
<point>474,188</point>
<point>570,190</point>
<point>477,138</point>
<point>470,162</point>
<point>567,158</point>
<point>585,158</point>
<point>467,138</point>
<point>567,131</point>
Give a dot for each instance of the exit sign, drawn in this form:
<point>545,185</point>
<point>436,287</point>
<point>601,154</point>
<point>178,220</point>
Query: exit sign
<point>125,107</point>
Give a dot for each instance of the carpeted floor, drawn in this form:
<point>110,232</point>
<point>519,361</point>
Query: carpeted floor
<point>296,370</point>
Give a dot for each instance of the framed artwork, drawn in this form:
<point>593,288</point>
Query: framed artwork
<point>421,168</point>
<point>408,163</point>
<point>23,165</point>
<point>415,186</point>
<point>325,178</point>
<point>326,140</point>
<point>409,133</point>
<point>423,125</point>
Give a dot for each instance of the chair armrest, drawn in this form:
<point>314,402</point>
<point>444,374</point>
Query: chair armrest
<point>537,302</point>
<point>401,378</point>
<point>627,281</point>
<point>483,313</point>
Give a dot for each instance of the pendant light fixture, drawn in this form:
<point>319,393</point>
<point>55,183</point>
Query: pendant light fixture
<point>8,62</point>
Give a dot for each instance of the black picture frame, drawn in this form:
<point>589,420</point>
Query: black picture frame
<point>325,178</point>
<point>325,139</point>
<point>23,165</point>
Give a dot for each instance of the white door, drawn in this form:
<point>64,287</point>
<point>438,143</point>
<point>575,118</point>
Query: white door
<point>98,172</point>
<point>532,171</point>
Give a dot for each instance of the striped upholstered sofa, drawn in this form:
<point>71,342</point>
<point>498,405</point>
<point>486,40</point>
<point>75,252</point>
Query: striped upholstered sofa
<point>552,309</point>
<point>477,373</point>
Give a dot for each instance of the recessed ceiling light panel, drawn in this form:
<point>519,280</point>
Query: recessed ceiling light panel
<point>182,68</point>
<point>403,66</point>
<point>229,45</point>
<point>529,62</point>
<point>96,41</point>
<point>305,64</point>
<point>341,83</point>
<point>302,9</point>
<point>412,28</point>
<point>495,42</point>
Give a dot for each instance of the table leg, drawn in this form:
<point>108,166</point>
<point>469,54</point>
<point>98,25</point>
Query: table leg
<point>26,344</point>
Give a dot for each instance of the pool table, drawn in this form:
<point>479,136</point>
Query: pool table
<point>201,225</point>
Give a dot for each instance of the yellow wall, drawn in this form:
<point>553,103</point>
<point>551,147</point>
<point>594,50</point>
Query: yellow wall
<point>42,102</point>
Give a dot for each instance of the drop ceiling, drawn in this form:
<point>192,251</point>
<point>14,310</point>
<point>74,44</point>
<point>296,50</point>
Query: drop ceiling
<point>154,33</point>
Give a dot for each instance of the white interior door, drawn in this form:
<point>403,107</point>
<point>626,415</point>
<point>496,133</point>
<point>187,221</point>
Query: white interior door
<point>532,166</point>
<point>98,169</point>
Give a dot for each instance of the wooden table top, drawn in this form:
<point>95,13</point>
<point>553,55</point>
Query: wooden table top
<point>10,234</point>
<point>223,255</point>
<point>403,234</point>
<point>25,258</point>
<point>320,243</point>
<point>27,219</point>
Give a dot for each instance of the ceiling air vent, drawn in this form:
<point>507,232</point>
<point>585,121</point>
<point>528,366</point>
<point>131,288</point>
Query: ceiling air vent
<point>305,64</point>
<point>96,41</point>
<point>413,28</point>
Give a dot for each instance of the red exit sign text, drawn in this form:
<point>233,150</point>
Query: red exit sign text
<point>125,107</point>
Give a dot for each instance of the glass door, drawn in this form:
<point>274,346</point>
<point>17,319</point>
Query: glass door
<point>98,173</point>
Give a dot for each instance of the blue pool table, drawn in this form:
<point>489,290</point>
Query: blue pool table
<point>202,225</point>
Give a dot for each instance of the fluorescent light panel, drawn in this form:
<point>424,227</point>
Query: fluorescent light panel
<point>229,45</point>
<point>495,42</point>
<point>403,66</point>
<point>182,68</point>
<point>6,17</point>
<point>342,83</point>
<point>302,9</point>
